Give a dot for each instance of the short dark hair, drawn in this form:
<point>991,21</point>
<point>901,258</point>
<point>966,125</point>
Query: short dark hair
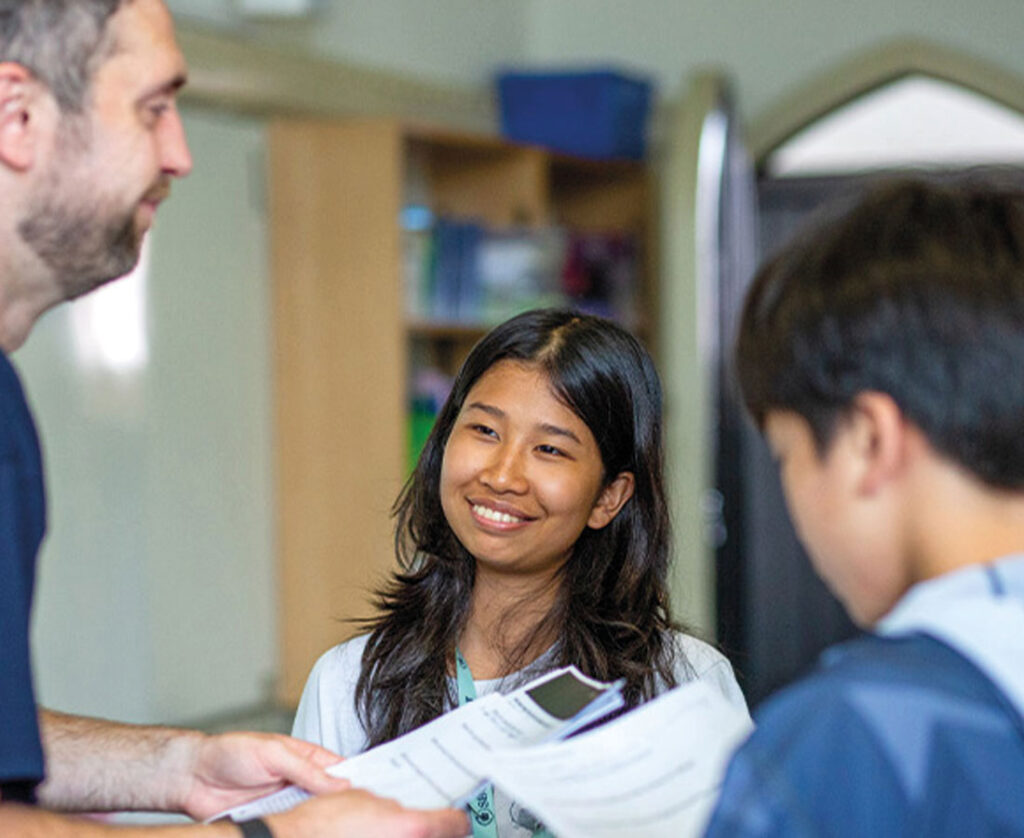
<point>917,292</point>
<point>612,618</point>
<point>61,42</point>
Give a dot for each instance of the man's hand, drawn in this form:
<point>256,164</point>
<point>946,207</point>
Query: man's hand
<point>99,766</point>
<point>232,768</point>
<point>358,814</point>
<point>96,765</point>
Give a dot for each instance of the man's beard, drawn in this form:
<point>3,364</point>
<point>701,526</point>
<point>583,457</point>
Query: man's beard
<point>85,246</point>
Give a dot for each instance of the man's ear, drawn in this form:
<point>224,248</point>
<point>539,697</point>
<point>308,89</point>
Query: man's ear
<point>19,95</point>
<point>879,433</point>
<point>612,498</point>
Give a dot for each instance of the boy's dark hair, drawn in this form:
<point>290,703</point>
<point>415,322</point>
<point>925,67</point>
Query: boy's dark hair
<point>61,42</point>
<point>611,618</point>
<point>917,292</point>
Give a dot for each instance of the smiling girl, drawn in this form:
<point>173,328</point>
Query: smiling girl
<point>533,534</point>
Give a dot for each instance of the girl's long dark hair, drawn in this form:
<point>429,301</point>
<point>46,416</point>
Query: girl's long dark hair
<point>611,617</point>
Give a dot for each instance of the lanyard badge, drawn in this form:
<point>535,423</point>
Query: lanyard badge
<point>481,808</point>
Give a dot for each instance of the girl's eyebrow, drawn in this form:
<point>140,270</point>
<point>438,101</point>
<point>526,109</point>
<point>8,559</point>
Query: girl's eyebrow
<point>490,409</point>
<point>498,413</point>
<point>559,431</point>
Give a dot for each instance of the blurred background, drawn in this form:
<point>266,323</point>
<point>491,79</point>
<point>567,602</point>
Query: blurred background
<point>225,429</point>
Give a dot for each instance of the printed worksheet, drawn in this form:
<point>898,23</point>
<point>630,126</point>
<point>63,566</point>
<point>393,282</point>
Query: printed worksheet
<point>652,773</point>
<point>444,762</point>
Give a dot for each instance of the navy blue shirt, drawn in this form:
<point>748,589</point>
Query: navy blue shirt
<point>889,737</point>
<point>22,524</point>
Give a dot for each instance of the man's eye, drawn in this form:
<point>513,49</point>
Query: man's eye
<point>155,110</point>
<point>550,449</point>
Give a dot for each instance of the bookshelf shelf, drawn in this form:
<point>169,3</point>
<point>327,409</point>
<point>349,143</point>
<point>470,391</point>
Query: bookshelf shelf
<point>349,352</point>
<point>444,330</point>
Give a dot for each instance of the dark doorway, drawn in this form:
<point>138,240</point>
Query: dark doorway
<point>775,614</point>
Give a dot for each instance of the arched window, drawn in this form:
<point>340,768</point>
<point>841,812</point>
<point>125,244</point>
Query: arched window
<point>917,121</point>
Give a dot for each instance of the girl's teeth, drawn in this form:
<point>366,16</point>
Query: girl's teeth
<point>492,515</point>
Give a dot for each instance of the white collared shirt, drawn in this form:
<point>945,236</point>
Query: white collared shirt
<point>979,612</point>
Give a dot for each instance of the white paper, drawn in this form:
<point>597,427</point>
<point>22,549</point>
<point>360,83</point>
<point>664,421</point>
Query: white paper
<point>653,773</point>
<point>429,768</point>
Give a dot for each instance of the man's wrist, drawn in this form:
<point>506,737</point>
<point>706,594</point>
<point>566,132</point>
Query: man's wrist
<point>179,761</point>
<point>98,766</point>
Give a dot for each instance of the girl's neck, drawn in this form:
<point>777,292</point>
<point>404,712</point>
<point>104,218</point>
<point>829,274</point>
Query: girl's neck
<point>504,612</point>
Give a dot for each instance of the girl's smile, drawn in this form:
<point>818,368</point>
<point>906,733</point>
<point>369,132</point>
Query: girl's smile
<point>498,515</point>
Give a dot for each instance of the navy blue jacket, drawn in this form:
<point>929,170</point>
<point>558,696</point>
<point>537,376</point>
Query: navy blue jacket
<point>22,524</point>
<point>891,736</point>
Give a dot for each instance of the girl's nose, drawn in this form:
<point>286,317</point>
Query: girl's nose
<point>504,472</point>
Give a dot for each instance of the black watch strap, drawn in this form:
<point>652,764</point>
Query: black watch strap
<point>19,791</point>
<point>255,828</point>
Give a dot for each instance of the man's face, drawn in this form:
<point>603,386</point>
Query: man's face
<point>109,167</point>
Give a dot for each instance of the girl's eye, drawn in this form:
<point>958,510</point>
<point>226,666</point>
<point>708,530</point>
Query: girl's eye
<point>550,449</point>
<point>483,429</point>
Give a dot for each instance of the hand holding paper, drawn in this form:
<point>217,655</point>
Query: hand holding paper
<point>653,772</point>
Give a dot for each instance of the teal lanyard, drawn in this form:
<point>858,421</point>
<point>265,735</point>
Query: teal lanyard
<point>481,808</point>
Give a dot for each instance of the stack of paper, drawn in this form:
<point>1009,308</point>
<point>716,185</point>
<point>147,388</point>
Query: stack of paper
<point>653,772</point>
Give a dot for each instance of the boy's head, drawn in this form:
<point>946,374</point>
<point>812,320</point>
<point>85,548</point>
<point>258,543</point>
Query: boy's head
<point>907,313</point>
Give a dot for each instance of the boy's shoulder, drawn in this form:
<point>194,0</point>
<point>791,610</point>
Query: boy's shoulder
<point>895,687</point>
<point>880,738</point>
<point>914,662</point>
<point>896,692</point>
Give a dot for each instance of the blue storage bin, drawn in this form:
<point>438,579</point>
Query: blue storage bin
<point>601,114</point>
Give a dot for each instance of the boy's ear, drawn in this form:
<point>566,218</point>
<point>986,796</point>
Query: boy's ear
<point>879,434</point>
<point>612,498</point>
<point>19,95</point>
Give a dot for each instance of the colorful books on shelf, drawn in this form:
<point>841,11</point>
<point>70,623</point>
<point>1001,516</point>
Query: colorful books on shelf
<point>461,271</point>
<point>653,771</point>
<point>428,389</point>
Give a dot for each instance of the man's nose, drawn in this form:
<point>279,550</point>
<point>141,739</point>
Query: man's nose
<point>175,158</point>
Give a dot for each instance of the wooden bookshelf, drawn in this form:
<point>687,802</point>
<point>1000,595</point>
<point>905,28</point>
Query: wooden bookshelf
<point>344,342</point>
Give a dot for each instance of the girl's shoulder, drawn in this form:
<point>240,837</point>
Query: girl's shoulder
<point>697,660</point>
<point>698,654</point>
<point>327,712</point>
<point>341,662</point>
